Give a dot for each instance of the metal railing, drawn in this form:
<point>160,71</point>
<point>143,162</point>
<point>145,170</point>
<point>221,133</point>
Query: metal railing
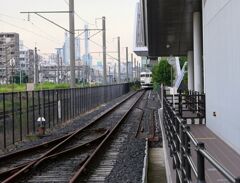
<point>188,104</point>
<point>180,142</point>
<point>19,111</point>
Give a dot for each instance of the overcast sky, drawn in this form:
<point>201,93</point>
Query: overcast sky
<point>120,15</point>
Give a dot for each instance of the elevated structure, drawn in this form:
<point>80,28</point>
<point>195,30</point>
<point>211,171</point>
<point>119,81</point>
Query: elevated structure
<point>165,28</point>
<point>207,32</point>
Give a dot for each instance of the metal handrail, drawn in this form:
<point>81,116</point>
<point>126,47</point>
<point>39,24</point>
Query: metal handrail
<point>179,137</point>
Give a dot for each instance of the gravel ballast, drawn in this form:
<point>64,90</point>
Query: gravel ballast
<point>129,165</point>
<point>130,162</point>
<point>63,128</point>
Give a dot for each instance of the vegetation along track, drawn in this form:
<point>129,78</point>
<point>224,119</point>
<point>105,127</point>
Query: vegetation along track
<point>99,127</point>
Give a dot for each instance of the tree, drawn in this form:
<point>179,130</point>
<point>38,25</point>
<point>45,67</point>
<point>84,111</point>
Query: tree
<point>24,77</point>
<point>161,73</point>
<point>182,60</point>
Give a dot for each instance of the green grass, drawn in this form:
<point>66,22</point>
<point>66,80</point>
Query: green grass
<point>6,88</point>
<point>135,87</point>
<point>12,87</point>
<point>22,87</point>
<point>51,86</point>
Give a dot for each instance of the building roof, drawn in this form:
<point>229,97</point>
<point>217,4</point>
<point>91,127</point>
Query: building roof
<point>168,26</point>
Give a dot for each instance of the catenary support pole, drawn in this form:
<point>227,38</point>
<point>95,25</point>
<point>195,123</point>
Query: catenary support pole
<point>72,42</point>
<point>135,71</point>
<point>139,70</point>
<point>115,67</point>
<point>119,61</point>
<point>127,77</point>
<point>58,73</point>
<point>104,50</point>
<point>35,67</point>
<point>132,67</point>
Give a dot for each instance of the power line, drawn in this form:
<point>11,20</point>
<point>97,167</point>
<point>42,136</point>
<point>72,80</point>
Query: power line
<point>107,54</point>
<point>16,18</point>
<point>42,30</point>
<point>82,19</point>
<point>95,43</point>
<point>23,20</point>
<point>36,34</point>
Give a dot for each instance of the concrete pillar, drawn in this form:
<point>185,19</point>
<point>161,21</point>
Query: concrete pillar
<point>190,70</point>
<point>197,46</point>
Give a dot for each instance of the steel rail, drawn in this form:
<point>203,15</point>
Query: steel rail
<point>84,166</point>
<point>27,168</point>
<point>8,173</point>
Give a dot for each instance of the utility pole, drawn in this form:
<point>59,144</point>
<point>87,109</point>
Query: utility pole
<point>86,53</point>
<point>109,78</point>
<point>119,61</point>
<point>132,67</point>
<point>20,79</point>
<point>71,31</point>
<point>114,73</point>
<point>35,67</point>
<point>58,50</point>
<point>135,73</point>
<point>61,69</point>
<point>127,63</point>
<point>139,70</point>
<point>72,42</point>
<point>104,51</point>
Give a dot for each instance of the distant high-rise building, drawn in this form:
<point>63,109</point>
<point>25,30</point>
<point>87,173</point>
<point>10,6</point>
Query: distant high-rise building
<point>66,49</point>
<point>9,49</point>
<point>26,61</point>
<point>87,58</point>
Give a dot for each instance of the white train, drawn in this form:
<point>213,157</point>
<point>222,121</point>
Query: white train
<point>146,79</point>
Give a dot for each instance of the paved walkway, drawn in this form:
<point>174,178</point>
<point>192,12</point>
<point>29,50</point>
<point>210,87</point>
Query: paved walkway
<point>156,167</point>
<point>221,151</point>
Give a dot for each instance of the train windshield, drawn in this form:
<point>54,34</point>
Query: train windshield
<point>146,75</point>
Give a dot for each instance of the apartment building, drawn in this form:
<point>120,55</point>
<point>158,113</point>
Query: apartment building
<point>9,49</point>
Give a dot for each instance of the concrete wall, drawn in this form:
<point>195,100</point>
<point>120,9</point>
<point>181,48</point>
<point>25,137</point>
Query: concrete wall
<point>222,68</point>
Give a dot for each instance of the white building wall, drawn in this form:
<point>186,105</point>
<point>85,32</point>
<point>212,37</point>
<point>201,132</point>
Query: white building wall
<point>222,68</point>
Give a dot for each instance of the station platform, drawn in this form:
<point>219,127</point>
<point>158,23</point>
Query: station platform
<point>221,151</point>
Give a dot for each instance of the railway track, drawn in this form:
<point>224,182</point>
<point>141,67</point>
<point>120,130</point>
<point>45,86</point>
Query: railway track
<point>15,161</point>
<point>12,162</point>
<point>76,150</point>
<point>103,166</point>
<point>147,127</point>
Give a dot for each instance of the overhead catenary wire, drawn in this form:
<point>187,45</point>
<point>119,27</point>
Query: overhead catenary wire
<point>46,36</point>
<point>33,24</point>
<point>82,19</point>
<point>107,54</point>
<point>22,28</point>
<point>42,30</point>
